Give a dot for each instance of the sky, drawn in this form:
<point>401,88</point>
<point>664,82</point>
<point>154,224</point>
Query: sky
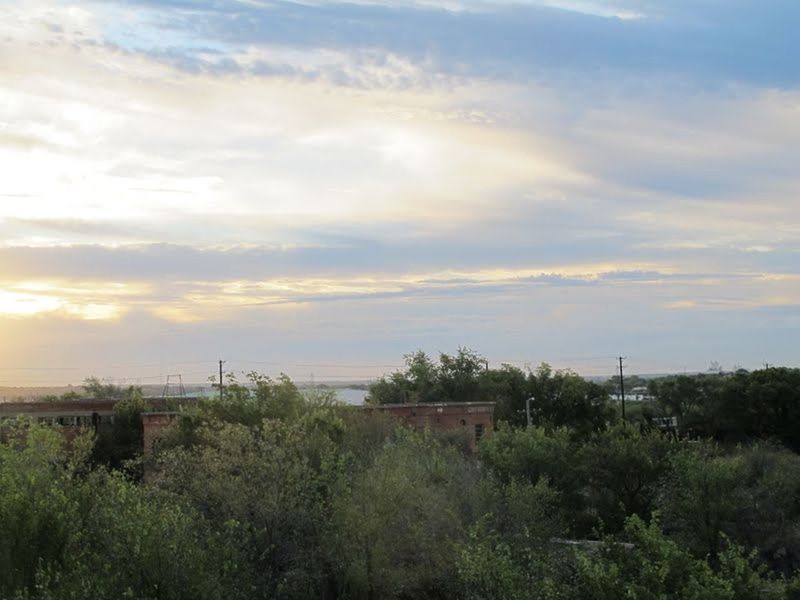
<point>322,187</point>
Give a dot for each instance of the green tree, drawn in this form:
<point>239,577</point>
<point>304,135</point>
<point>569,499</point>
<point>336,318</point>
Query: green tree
<point>70,532</point>
<point>509,387</point>
<point>750,495</point>
<point>398,523</point>
<point>735,407</point>
<point>535,454</point>
<point>626,470</point>
<point>460,377</point>
<point>653,568</point>
<point>264,489</point>
<point>95,389</point>
<point>644,564</point>
<point>487,569</point>
<point>37,511</point>
<point>701,498</point>
<point>422,376</point>
<point>455,378</point>
<point>118,445</point>
<point>564,399</point>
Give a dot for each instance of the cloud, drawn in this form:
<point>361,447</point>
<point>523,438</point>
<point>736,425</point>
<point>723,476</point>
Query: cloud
<point>707,40</point>
<point>366,178</point>
<point>527,322</point>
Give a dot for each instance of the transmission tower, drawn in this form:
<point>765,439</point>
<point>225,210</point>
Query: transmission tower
<point>176,382</point>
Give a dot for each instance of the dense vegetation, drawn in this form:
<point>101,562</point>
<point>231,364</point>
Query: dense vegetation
<point>269,493</point>
<point>734,407</point>
<point>560,397</point>
<point>737,407</point>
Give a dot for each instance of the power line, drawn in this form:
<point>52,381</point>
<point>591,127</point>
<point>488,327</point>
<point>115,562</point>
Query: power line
<point>40,369</point>
<point>109,366</point>
<point>153,365</point>
<point>319,365</point>
<point>584,358</point>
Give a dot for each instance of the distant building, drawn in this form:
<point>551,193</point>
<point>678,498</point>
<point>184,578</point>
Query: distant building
<point>637,394</point>
<point>153,425</point>
<point>73,416</point>
<point>474,418</point>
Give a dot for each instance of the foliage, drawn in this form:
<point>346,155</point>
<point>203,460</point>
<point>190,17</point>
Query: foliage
<point>263,490</point>
<point>36,508</point>
<point>750,496</point>
<point>455,378</point>
<point>487,568</point>
<point>643,563</point>
<point>121,443</point>
<point>535,454</point>
<point>397,524</point>
<point>95,389</point>
<point>559,398</point>
<point>651,568</point>
<point>563,398</point>
<point>68,532</point>
<point>271,493</point>
<point>625,470</point>
<point>735,407</point>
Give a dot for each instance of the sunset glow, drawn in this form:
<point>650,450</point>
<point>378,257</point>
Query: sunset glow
<point>216,181</point>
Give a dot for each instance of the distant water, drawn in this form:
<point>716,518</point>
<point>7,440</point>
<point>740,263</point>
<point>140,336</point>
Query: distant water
<point>351,396</point>
<point>347,395</point>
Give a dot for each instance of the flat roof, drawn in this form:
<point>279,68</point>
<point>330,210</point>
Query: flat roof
<point>67,406</point>
<point>428,404</point>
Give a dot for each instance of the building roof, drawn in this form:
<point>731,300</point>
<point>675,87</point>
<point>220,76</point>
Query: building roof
<point>433,405</point>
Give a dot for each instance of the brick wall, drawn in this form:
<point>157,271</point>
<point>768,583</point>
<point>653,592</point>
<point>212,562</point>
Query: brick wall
<point>153,425</point>
<point>73,416</point>
<point>474,418</point>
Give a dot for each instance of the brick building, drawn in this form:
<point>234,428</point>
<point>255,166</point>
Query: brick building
<point>475,418</point>
<point>73,416</point>
<point>153,424</point>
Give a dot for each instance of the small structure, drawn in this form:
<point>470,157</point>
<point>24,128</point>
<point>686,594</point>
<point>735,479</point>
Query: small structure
<point>153,425</point>
<point>667,425</point>
<point>475,418</point>
<point>73,416</point>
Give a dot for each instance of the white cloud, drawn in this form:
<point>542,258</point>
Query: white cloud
<point>600,8</point>
<point>344,186</point>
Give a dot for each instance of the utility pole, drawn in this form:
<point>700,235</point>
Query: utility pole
<point>622,386</point>
<point>221,362</point>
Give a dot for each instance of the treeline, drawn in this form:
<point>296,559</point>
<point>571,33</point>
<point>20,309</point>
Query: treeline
<point>95,389</point>
<point>272,493</point>
<point>734,407</point>
<point>738,407</point>
<point>559,397</point>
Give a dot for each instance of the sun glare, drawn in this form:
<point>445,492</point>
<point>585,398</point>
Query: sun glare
<point>23,304</point>
<point>17,304</point>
